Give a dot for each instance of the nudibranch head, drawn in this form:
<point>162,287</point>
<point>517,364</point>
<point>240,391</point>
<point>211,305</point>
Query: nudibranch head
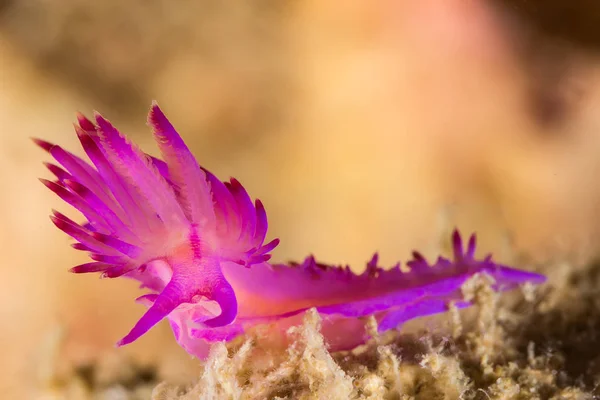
<point>143,211</point>
<point>198,246</point>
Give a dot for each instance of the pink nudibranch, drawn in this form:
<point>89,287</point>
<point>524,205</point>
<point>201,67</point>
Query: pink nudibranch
<point>198,246</point>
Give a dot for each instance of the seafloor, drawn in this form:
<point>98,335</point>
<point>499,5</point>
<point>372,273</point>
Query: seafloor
<point>539,343</point>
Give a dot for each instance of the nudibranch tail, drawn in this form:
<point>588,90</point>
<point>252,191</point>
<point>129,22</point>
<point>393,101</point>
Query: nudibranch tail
<point>197,244</point>
<point>391,295</point>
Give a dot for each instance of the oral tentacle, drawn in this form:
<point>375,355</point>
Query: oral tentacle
<point>196,278</point>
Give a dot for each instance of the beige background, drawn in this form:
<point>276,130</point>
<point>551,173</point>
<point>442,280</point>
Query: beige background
<point>364,126</point>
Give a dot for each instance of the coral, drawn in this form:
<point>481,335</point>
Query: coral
<point>534,347</point>
<point>492,359</point>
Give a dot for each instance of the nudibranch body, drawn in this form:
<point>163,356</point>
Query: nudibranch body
<point>198,246</point>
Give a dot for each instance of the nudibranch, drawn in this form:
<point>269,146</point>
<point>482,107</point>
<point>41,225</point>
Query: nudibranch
<point>197,245</point>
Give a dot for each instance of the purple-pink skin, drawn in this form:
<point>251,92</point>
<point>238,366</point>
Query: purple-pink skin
<point>198,246</point>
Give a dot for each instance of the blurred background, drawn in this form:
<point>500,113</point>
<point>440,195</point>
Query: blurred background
<point>362,125</point>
